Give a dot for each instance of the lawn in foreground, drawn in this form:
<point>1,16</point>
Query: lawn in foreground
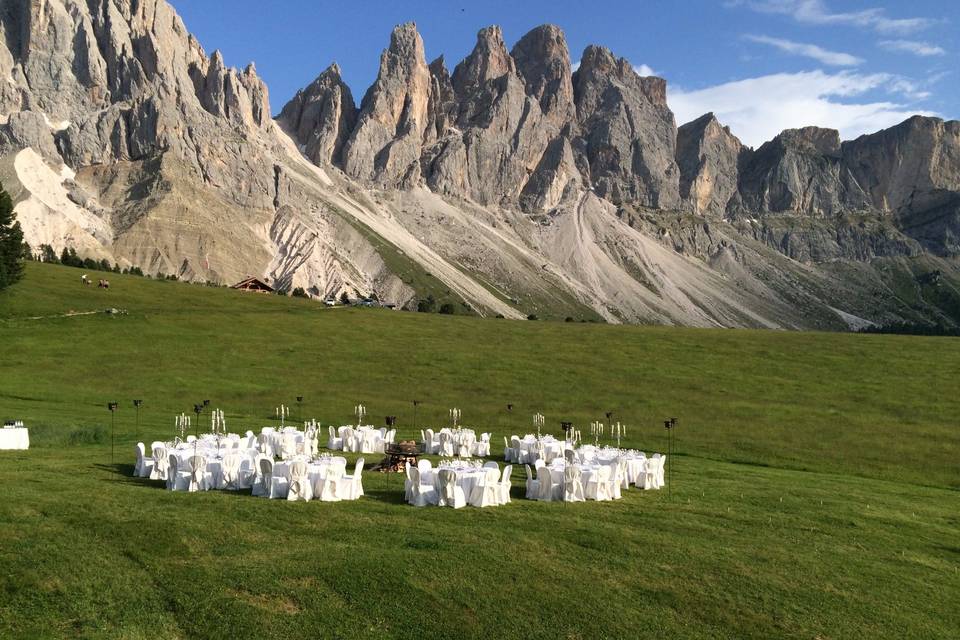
<point>814,491</point>
<point>740,552</point>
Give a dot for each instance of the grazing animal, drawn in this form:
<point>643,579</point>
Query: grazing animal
<point>104,284</point>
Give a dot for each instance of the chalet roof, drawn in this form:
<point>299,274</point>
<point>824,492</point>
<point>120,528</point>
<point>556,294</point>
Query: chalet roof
<point>252,283</point>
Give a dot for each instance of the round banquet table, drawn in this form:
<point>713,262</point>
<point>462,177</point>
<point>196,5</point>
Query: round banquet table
<point>467,477</point>
<point>315,469</point>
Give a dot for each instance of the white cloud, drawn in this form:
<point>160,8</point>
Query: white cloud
<point>757,109</point>
<point>912,46</point>
<point>645,70</point>
<point>832,58</point>
<point>816,12</point>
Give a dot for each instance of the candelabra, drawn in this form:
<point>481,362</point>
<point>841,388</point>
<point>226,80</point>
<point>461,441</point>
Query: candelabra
<point>455,415</point>
<point>538,422</point>
<point>282,413</point>
<point>360,411</point>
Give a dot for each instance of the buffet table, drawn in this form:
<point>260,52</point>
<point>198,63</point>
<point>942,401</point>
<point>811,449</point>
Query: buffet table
<point>14,438</point>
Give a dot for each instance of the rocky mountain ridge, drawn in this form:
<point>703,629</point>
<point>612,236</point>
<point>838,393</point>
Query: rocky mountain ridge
<point>514,184</point>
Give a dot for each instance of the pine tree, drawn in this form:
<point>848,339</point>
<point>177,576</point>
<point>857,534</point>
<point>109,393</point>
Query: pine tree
<point>11,243</point>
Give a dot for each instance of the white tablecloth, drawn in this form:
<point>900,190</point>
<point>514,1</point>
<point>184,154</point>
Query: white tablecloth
<point>16,438</point>
<point>467,477</point>
<point>552,447</point>
<point>315,470</point>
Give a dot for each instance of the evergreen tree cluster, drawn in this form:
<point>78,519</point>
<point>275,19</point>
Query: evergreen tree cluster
<point>12,249</point>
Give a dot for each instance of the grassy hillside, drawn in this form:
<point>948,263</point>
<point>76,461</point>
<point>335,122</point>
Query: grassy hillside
<point>815,485</point>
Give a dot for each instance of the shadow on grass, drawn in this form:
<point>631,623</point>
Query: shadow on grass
<point>389,496</point>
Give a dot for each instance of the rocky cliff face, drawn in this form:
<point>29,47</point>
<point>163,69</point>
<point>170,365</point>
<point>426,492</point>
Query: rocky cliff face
<point>514,128</point>
<point>513,184</point>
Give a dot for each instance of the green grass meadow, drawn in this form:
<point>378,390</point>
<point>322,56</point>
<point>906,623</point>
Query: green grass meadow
<point>815,482</point>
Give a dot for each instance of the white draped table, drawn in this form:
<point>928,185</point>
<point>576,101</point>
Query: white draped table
<point>315,472</point>
<point>467,476</point>
<point>15,438</point>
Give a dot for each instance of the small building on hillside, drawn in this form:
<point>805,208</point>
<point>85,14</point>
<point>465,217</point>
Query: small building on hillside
<point>253,284</point>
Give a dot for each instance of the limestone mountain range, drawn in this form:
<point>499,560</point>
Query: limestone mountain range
<point>511,184</point>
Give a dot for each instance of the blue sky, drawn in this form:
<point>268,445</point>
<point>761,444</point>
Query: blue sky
<point>761,65</point>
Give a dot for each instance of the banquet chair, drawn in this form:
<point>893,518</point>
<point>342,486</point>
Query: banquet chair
<point>486,492</point>
<point>191,439</point>
<point>421,494</point>
<point>509,453</point>
<point>573,484</point>
<point>533,485</point>
<point>624,472</point>
<point>247,473</point>
<point>446,444</point>
<point>349,441</point>
<point>370,441</point>
<point>491,465</point>
<point>660,465</point>
<point>539,463</point>
<point>481,447</point>
<point>144,466</point>
<point>391,435</point>
<point>262,470</point>
<point>230,472</point>
<point>251,440</point>
<point>383,433</point>
<point>200,478</point>
<point>334,442</point>
<point>160,461</point>
<point>449,493</point>
<point>423,439</point>
<point>424,465</point>
<point>505,485</point>
<point>278,485</point>
<point>545,482</point>
<point>465,449</point>
<point>299,488</point>
<point>430,443</point>
<point>288,445</point>
<point>408,483</point>
<point>351,486</point>
<point>617,471</point>
<point>569,456</point>
<point>599,487</point>
<point>328,484</point>
<point>519,455</point>
<point>177,479</point>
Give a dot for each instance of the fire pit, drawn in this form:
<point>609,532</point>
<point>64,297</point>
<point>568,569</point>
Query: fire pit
<point>398,455</point>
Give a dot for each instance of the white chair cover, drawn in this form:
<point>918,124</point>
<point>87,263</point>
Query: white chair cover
<point>449,494</point>
<point>288,445</point>
<point>465,449</point>
<point>600,485</point>
<point>177,479</point>
<point>508,452</point>
<point>421,494</point>
<point>198,474</point>
<point>545,482</point>
<point>331,476</point>
<point>300,488</point>
<point>334,442</point>
<point>486,492</point>
<point>572,484</point>
<point>446,443</point>
<point>144,466</point>
<point>533,485</point>
<point>505,485</point>
<point>230,472</point>
<point>351,487</point>
<point>263,471</point>
<point>161,462</point>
